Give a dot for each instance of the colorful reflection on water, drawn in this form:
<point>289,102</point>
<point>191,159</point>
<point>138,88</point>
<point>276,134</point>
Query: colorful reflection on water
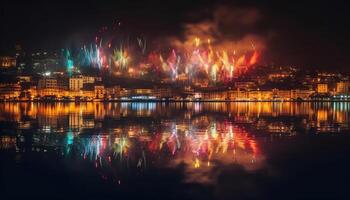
<point>117,138</point>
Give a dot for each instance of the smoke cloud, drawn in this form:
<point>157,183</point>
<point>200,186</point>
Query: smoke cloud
<point>232,29</point>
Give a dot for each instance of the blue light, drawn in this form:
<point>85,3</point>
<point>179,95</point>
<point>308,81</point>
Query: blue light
<point>143,97</point>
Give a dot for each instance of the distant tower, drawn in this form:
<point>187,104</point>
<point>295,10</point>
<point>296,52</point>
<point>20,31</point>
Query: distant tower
<point>18,49</point>
<point>21,61</point>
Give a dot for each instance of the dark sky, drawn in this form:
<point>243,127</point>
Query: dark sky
<point>304,33</point>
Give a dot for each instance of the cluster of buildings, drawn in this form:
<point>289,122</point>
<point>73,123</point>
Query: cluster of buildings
<point>321,93</point>
<point>60,87</point>
<point>256,95</point>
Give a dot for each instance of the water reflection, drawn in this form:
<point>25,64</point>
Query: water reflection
<point>119,137</point>
<point>274,117</point>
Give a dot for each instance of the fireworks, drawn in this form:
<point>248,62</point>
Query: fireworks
<point>196,57</point>
<point>91,56</point>
<point>121,58</point>
<point>216,64</point>
<point>68,62</point>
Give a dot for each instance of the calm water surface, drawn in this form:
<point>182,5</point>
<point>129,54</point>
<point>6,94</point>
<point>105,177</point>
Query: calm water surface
<point>175,150</point>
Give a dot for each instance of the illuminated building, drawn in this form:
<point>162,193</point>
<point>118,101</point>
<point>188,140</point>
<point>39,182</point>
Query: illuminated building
<point>238,95</point>
<point>301,94</point>
<point>7,62</point>
<point>47,83</point>
<point>90,79</point>
<point>142,94</point>
<point>23,78</point>
<point>47,86</point>
<point>124,92</point>
<point>7,142</point>
<point>76,83</point>
<point>9,91</point>
<point>161,93</point>
<point>342,87</point>
<point>245,85</point>
<point>141,91</point>
<point>282,94</point>
<point>254,95</point>
<point>112,92</point>
<point>99,91</point>
<point>322,88</point>
<point>266,95</point>
<point>260,95</point>
<point>215,95</point>
<point>50,86</point>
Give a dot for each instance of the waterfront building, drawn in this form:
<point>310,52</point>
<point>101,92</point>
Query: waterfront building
<point>301,94</point>
<point>342,91</point>
<point>258,95</point>
<point>281,94</point>
<point>99,91</point>
<point>124,93</point>
<point>322,88</point>
<point>52,86</point>
<point>238,95</point>
<point>9,91</point>
<point>215,95</point>
<point>161,93</point>
<point>7,62</point>
<point>76,83</point>
<point>47,83</point>
<point>342,87</point>
<point>142,93</point>
<point>48,87</point>
<point>113,92</point>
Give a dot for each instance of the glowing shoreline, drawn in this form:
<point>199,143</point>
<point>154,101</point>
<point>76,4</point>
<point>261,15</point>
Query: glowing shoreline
<point>174,101</point>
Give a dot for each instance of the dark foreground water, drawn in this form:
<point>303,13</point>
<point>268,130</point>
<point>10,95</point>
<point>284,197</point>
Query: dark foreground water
<point>175,150</point>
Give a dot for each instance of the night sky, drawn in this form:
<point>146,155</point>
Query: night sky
<point>307,34</point>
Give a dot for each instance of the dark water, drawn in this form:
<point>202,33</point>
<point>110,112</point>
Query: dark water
<point>175,150</point>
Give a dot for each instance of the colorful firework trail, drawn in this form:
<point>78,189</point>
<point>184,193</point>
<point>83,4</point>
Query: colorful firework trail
<point>134,58</point>
<point>68,61</point>
<point>120,58</point>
